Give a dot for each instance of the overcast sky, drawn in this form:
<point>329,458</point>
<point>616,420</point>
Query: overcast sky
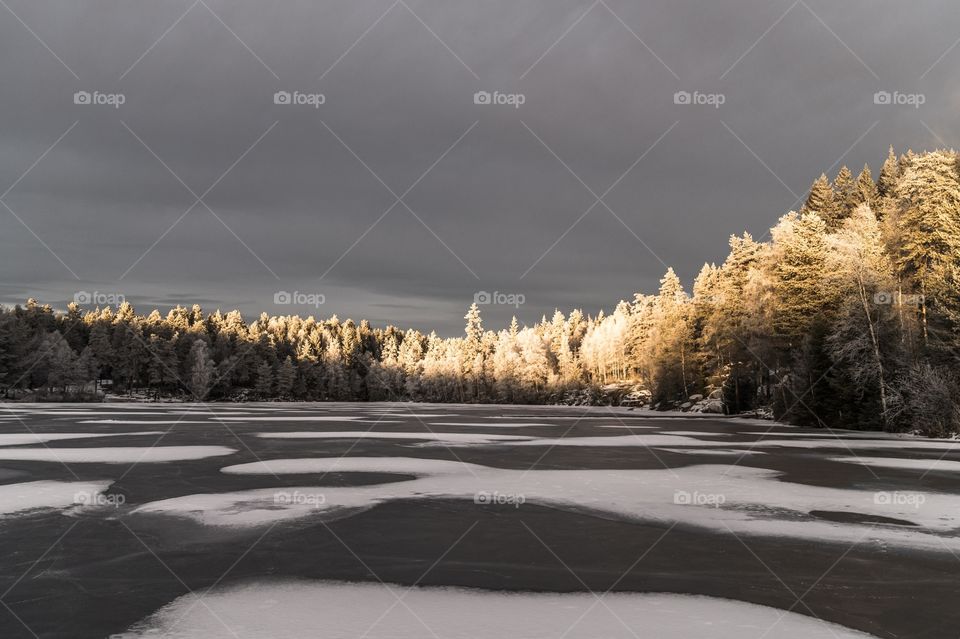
<point>399,198</point>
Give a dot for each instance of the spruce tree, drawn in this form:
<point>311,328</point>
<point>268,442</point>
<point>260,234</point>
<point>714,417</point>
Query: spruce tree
<point>867,192</point>
<point>821,199</point>
<point>846,199</point>
<point>889,174</point>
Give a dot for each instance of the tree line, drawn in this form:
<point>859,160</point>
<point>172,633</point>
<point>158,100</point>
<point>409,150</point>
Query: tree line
<point>849,316</point>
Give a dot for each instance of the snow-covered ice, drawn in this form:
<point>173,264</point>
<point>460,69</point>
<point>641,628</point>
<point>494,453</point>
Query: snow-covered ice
<point>114,455</point>
<point>26,496</point>
<point>296,609</point>
<point>692,433</point>
<point>711,451</point>
<point>141,422</point>
<point>439,438</point>
<point>753,501</point>
<point>491,423</point>
<point>294,418</point>
<point>400,465</point>
<point>652,439</point>
<point>932,465</point>
<point>19,439</point>
<point>645,439</point>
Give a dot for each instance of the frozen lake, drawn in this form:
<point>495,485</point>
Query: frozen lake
<point>273,520</point>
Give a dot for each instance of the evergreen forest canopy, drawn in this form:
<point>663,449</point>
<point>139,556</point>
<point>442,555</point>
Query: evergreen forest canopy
<point>848,317</point>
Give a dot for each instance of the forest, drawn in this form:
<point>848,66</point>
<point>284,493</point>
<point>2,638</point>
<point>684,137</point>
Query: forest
<point>848,316</point>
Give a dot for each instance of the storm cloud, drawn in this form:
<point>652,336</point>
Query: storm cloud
<point>562,151</point>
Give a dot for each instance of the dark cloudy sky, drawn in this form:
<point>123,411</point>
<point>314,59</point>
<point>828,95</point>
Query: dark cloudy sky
<point>491,197</point>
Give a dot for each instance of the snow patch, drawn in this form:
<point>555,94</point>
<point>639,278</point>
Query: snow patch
<point>755,501</point>
<point>116,455</point>
<point>295,609</point>
<point>439,438</point>
<point>18,439</point>
<point>488,424</point>
<point>902,464</point>
<point>399,465</point>
<point>16,498</point>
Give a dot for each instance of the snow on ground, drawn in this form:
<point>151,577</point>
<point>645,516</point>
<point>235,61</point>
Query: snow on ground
<point>438,438</point>
<point>21,497</point>
<point>295,609</point>
<point>114,455</point>
<point>18,439</point>
<point>718,497</point>
<point>905,464</point>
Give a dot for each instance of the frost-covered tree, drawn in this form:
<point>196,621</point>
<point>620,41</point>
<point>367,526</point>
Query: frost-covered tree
<point>928,194</point>
<point>821,199</point>
<point>889,174</point>
<point>863,342</point>
<point>846,198</point>
<point>867,192</point>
